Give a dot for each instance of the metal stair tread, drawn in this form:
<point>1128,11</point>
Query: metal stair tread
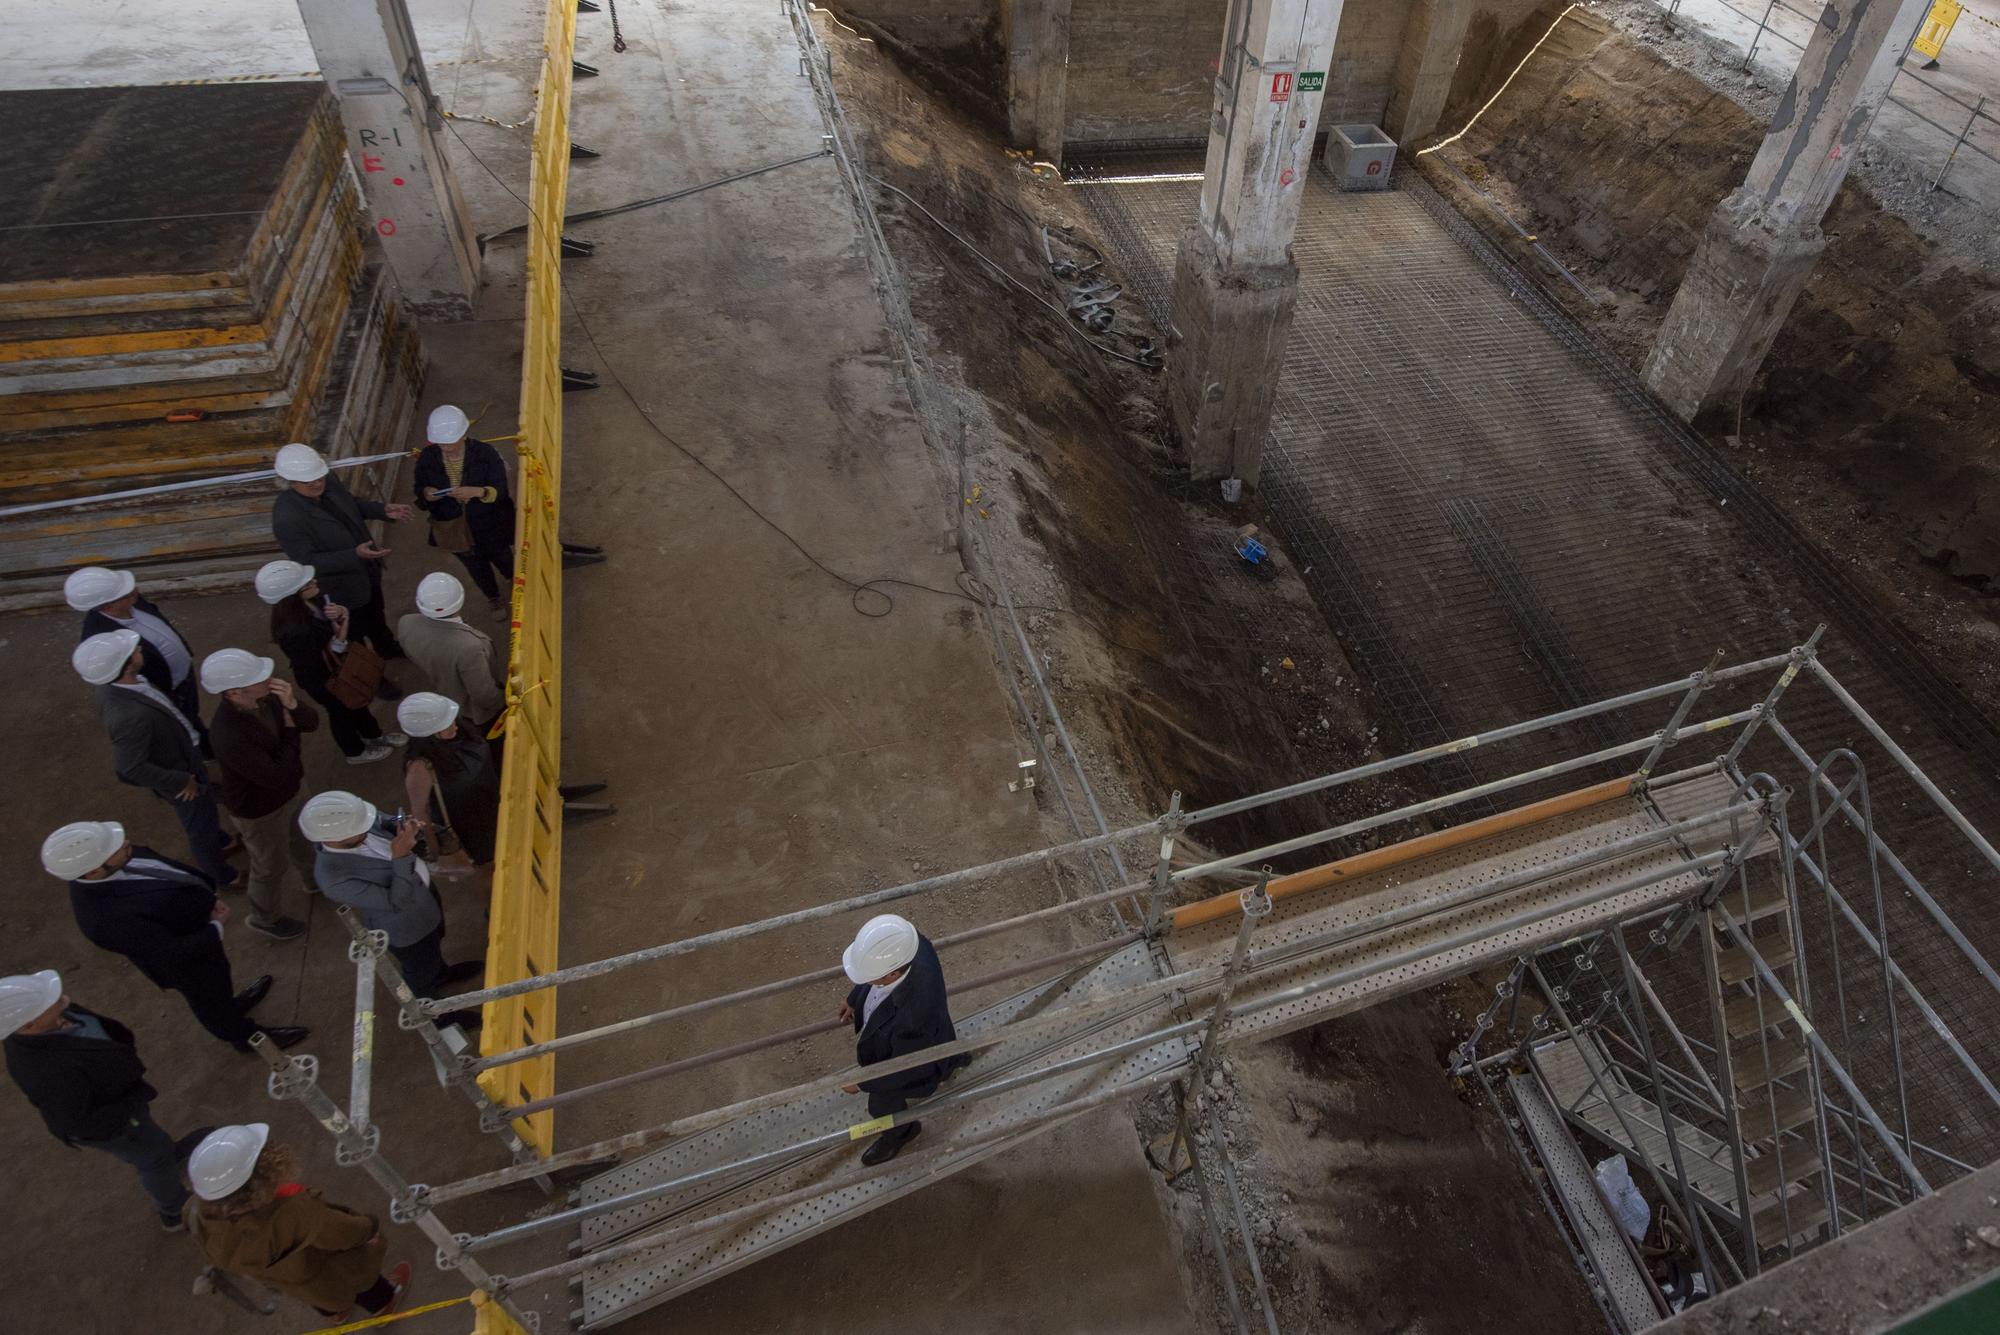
<point>1734,964</point>
<point>1799,1164</point>
<point>1794,1109</point>
<point>1807,1212</point>
<point>1740,1015</point>
<point>1753,1066</point>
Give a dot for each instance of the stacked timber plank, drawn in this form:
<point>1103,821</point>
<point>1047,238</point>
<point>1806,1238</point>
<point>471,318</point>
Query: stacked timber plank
<point>184,287</point>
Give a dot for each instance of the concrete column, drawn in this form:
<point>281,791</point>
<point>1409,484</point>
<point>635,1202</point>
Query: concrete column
<point>1433,36</point>
<point>1038,75</point>
<point>1234,279</point>
<point>368,55</point>
<point>1761,244</point>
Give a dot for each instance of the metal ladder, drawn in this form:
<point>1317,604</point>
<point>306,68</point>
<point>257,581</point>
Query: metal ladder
<point>1775,1111</point>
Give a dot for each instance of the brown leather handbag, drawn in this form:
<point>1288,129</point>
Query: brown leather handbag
<point>356,674</point>
<point>453,535</point>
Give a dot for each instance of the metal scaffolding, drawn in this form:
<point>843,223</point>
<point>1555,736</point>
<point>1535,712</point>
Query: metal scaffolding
<point>1752,1052</point>
<point>1680,934</point>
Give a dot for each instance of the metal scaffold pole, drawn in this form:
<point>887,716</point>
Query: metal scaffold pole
<point>296,1079</point>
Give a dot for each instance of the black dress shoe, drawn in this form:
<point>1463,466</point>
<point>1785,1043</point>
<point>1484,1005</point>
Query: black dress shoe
<point>890,1143</point>
<point>254,993</point>
<point>287,1035</point>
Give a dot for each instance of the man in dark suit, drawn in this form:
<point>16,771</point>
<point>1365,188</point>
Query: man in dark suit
<point>109,600</point>
<point>897,1007</point>
<point>164,917</point>
<point>83,1074</point>
<point>154,745</point>
<point>320,523</point>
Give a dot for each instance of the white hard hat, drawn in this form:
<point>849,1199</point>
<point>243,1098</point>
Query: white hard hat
<point>335,815</point>
<point>225,1159</point>
<point>233,669</point>
<point>279,580</point>
<point>883,945</point>
<point>440,595</point>
<point>299,463</point>
<point>26,995</point>
<point>447,425</point>
<point>81,846</point>
<point>102,658</point>
<point>94,586</point>
<point>422,714</point>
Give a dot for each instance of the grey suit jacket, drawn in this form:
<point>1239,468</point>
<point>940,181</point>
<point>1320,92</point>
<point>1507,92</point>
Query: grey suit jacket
<point>149,747</point>
<point>462,663</point>
<point>388,894</point>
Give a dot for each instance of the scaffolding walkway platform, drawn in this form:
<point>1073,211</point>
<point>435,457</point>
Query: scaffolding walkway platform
<point>1338,938</point>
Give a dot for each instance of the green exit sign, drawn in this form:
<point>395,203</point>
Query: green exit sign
<point>1312,81</point>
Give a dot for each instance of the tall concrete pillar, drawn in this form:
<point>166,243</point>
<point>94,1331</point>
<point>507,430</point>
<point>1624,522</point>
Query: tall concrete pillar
<point>1234,278</point>
<point>1038,75</point>
<point>368,56</point>
<point>1761,244</point>
<point>1433,36</point>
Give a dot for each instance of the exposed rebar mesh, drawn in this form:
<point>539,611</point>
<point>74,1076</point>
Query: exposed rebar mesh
<point>1499,522</point>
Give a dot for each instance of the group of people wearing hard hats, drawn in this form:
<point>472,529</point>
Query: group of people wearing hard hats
<point>80,1069</point>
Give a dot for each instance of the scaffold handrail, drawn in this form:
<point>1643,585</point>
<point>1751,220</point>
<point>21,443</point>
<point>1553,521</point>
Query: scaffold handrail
<point>1188,982</point>
<point>1155,827</point>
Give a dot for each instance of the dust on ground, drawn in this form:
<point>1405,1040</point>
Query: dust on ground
<point>1381,1201</point>
<point>1870,422</point>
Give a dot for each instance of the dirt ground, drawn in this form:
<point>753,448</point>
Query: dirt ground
<point>1381,1202</point>
<point>1874,422</point>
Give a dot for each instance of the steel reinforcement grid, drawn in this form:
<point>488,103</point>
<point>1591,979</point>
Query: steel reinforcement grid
<point>1498,521</point>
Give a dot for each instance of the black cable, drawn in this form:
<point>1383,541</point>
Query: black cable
<point>592,215</point>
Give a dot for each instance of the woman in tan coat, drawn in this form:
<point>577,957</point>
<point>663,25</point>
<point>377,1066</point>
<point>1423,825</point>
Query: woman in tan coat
<point>253,1219</point>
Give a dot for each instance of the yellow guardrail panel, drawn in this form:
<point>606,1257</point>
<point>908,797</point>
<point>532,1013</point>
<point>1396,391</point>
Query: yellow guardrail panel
<point>527,876</point>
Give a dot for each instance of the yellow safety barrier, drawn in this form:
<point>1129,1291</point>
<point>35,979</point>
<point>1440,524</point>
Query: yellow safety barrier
<point>1937,27</point>
<point>527,875</point>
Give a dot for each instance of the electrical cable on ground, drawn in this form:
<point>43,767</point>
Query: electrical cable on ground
<point>1502,88</point>
<point>998,268</point>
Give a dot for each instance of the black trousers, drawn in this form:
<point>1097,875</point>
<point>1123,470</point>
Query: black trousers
<point>211,995</point>
<point>485,561</point>
<point>371,1299</point>
<point>422,962</point>
<point>352,728</point>
<point>371,623</point>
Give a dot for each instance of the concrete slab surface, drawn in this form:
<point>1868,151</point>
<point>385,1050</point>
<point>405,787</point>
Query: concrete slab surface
<point>770,742</point>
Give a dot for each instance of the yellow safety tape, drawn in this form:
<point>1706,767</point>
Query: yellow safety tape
<point>863,1130</point>
<point>393,1316</point>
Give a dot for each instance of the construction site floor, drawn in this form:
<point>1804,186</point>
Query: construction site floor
<point>771,739</point>
<point>1499,523</point>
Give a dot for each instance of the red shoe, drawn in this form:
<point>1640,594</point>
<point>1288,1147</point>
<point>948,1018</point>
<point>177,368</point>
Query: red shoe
<point>399,1279</point>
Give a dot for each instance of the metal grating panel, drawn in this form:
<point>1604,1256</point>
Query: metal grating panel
<point>1569,1173</point>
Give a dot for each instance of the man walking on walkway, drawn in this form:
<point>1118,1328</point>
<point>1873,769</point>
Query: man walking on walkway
<point>83,1074</point>
<point>897,1007</point>
<point>154,745</point>
<point>320,523</point>
<point>460,661</point>
<point>109,600</point>
<point>164,917</point>
<point>257,731</point>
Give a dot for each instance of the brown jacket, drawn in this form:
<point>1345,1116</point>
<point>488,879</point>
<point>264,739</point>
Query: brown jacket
<point>298,1244</point>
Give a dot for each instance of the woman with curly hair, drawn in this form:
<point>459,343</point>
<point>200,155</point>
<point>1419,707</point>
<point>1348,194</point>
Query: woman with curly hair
<point>254,1219</point>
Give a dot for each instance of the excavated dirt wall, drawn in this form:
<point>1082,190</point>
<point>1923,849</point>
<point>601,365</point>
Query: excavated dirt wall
<point>1874,420</point>
<point>1381,1200</point>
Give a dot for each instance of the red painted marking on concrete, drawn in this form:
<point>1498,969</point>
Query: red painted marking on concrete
<point>371,164</point>
<point>397,181</point>
<point>385,227</point>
